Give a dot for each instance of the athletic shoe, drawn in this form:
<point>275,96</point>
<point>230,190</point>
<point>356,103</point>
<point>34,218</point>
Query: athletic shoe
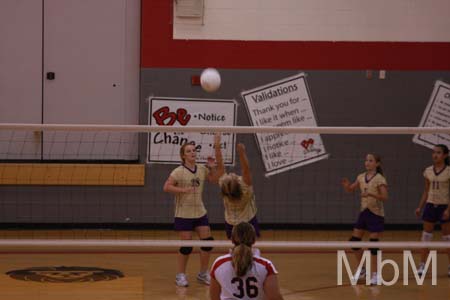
<point>374,279</point>
<point>203,277</point>
<point>181,280</point>
<point>360,274</point>
<point>421,268</point>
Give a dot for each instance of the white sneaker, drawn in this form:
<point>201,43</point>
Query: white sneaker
<point>421,268</point>
<point>181,280</point>
<point>203,277</point>
<point>360,274</point>
<point>374,279</point>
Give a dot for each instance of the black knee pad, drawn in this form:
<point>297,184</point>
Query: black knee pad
<point>207,249</point>
<point>355,239</point>
<point>374,251</point>
<point>185,250</point>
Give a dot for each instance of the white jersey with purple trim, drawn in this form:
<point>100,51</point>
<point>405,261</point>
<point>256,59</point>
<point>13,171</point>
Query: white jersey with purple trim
<point>249,286</point>
<point>438,193</point>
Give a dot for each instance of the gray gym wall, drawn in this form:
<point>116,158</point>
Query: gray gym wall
<point>310,194</point>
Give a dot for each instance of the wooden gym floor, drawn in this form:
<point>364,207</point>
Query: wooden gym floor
<point>149,275</point>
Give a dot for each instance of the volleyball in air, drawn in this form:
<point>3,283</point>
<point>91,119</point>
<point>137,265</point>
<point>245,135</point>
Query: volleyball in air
<point>210,80</point>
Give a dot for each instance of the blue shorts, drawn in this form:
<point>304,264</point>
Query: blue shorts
<point>369,221</point>
<point>433,213</point>
<point>187,224</point>
<point>253,221</point>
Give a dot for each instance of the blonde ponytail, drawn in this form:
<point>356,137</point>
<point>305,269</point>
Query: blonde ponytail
<point>242,259</point>
<point>243,237</point>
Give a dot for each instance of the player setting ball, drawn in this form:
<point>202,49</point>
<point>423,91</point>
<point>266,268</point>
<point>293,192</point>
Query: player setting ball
<point>210,80</point>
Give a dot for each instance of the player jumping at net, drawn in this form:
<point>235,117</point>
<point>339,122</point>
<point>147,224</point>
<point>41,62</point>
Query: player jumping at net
<point>237,191</point>
<point>242,274</point>
<point>435,201</point>
<point>186,182</point>
<point>374,193</point>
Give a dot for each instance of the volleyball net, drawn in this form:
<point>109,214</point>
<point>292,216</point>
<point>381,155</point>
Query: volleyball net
<point>112,176</point>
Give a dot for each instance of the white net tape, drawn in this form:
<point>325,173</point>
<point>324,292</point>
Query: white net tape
<point>218,244</point>
<point>226,129</point>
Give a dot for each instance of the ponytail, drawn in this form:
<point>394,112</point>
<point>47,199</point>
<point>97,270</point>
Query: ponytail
<point>380,170</point>
<point>243,237</point>
<point>378,160</point>
<point>242,259</point>
<point>444,149</point>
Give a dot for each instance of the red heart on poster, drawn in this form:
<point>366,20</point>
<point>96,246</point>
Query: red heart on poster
<point>307,143</point>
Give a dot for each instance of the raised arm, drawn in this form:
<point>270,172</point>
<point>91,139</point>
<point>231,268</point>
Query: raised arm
<point>348,186</point>
<point>219,169</point>
<point>245,166</point>
<point>424,198</point>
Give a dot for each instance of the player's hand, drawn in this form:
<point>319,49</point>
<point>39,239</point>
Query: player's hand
<point>188,190</point>
<point>211,162</point>
<point>417,212</point>
<point>365,194</point>
<point>240,147</point>
<point>446,215</point>
<point>345,182</point>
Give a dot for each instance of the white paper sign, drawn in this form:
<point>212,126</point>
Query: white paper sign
<point>164,147</point>
<point>437,114</point>
<point>284,103</point>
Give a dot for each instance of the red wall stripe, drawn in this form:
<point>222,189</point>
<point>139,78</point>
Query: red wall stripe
<point>159,50</point>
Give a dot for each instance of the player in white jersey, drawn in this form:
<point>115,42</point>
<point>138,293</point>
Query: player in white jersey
<point>435,200</point>
<point>237,191</point>
<point>186,183</point>
<point>242,274</point>
<point>373,187</point>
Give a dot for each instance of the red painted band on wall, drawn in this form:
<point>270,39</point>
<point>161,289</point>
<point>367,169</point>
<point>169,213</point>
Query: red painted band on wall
<point>159,50</point>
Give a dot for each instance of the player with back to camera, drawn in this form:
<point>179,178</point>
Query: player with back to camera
<point>240,274</point>
<point>374,193</point>
<point>186,182</point>
<point>237,191</point>
<point>435,201</point>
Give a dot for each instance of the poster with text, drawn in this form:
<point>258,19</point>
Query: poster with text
<point>164,147</point>
<point>437,114</point>
<point>285,103</point>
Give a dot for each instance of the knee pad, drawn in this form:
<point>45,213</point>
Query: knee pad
<point>207,249</point>
<point>185,250</point>
<point>446,238</point>
<point>355,239</point>
<point>427,236</point>
<point>374,251</point>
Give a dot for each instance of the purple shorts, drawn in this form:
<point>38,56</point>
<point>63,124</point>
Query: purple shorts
<point>253,221</point>
<point>433,213</point>
<point>187,224</point>
<point>369,221</point>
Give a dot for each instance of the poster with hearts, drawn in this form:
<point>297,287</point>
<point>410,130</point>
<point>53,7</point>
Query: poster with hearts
<point>437,114</point>
<point>284,103</point>
<point>164,147</point>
